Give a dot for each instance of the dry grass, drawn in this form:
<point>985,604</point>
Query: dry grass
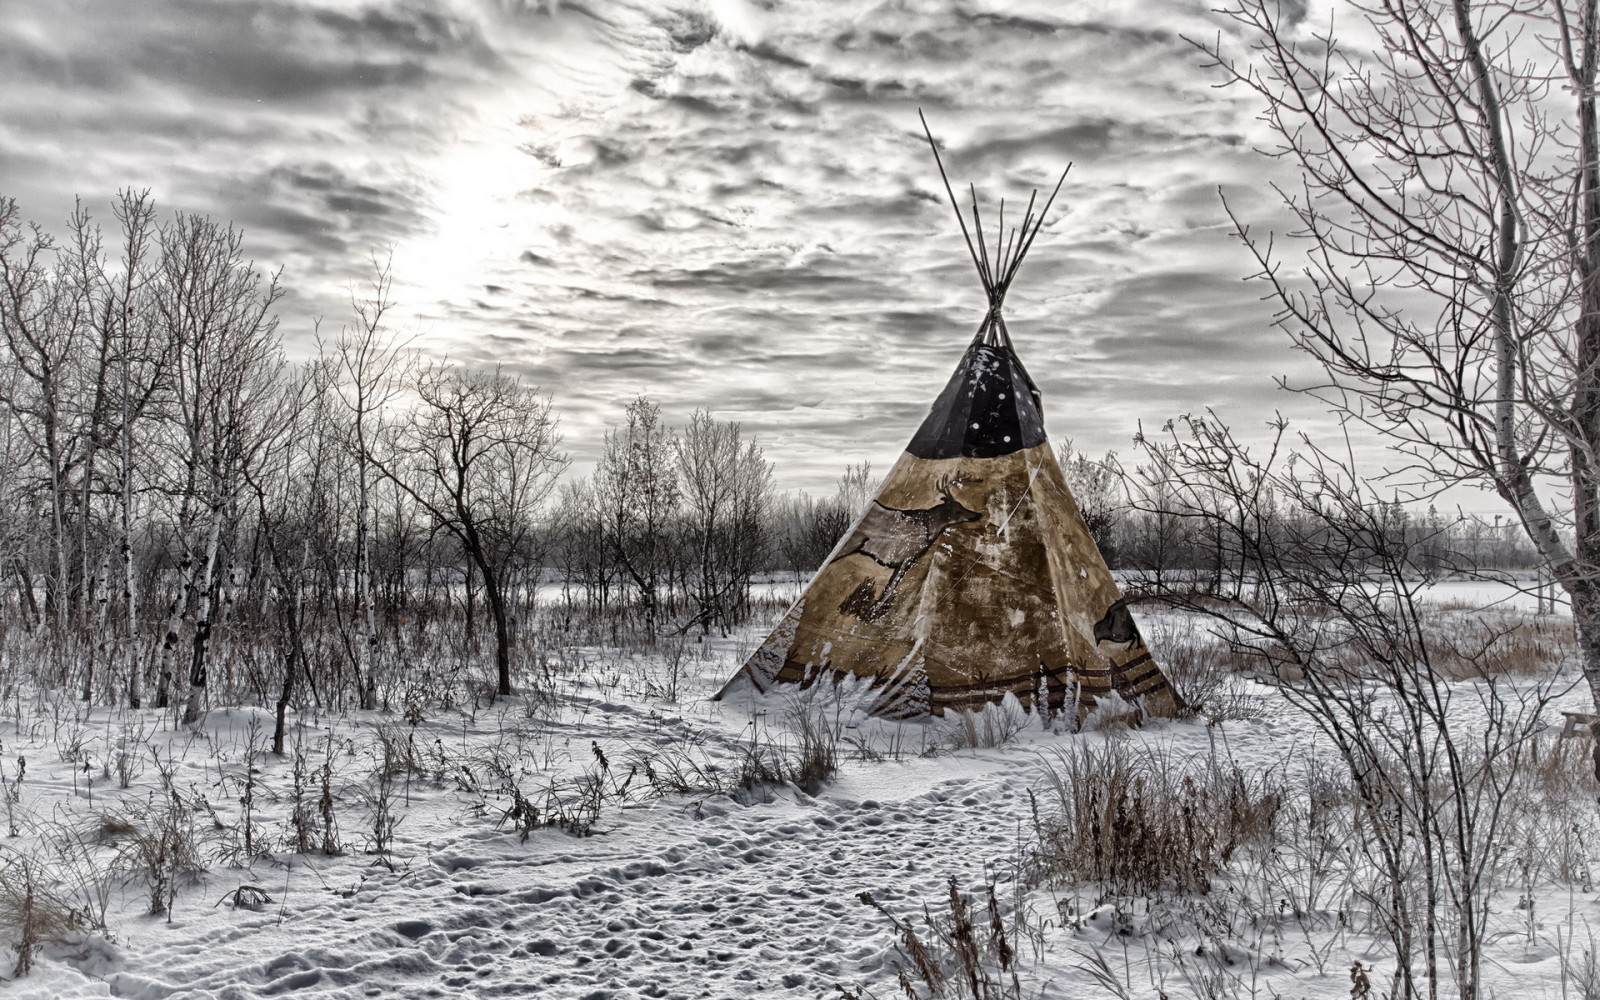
<point>528,801</point>
<point>1475,646</point>
<point>1562,769</point>
<point>157,845</point>
<point>989,726</point>
<point>683,766</point>
<point>31,913</point>
<point>1580,974</point>
<point>816,758</point>
<point>1141,821</point>
<point>247,897</point>
<point>967,950</point>
<point>1550,833</point>
<point>399,756</point>
<point>804,753</point>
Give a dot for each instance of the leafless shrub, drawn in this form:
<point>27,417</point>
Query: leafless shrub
<point>250,844</point>
<point>1430,762</point>
<point>11,793</point>
<point>72,745</point>
<point>664,682</point>
<point>1210,674</point>
<point>302,816</point>
<point>129,756</point>
<point>383,819</point>
<point>325,803</point>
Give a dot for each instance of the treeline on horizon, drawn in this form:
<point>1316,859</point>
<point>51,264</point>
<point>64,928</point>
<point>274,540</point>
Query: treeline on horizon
<point>188,517</point>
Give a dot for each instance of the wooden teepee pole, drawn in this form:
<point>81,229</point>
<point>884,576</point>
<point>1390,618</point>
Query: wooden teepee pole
<point>988,286</point>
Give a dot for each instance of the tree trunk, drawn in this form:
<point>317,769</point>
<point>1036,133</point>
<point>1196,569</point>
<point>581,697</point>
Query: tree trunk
<point>27,603</point>
<point>502,624</point>
<point>202,626</point>
<point>1586,389</point>
<point>293,660</point>
<point>57,597</point>
<point>469,603</point>
<point>1514,483</point>
<point>178,611</point>
<point>1586,630</point>
<point>369,624</point>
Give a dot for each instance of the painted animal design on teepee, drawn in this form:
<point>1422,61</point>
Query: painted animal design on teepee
<point>994,590</point>
<point>897,539</point>
<point>1118,626</point>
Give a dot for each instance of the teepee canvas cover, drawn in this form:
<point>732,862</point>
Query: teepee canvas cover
<point>971,575</point>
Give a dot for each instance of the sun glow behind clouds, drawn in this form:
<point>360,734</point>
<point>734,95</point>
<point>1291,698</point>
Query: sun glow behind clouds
<point>474,205</point>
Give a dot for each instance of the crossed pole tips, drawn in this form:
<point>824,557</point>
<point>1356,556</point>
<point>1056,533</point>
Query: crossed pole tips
<point>1009,251</point>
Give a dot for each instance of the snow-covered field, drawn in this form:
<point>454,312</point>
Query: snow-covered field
<point>634,890</point>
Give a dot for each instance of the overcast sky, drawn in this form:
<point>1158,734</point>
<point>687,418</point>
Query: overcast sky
<point>720,203</point>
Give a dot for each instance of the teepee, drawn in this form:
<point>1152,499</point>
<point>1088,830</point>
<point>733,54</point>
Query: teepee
<point>971,575</point>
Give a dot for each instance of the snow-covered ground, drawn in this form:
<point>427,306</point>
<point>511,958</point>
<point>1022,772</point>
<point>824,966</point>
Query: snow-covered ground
<point>740,893</point>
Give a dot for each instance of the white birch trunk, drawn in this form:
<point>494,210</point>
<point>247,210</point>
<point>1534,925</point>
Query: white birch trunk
<point>202,624</point>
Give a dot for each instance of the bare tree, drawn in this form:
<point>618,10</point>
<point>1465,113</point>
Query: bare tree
<point>636,492</point>
<point>480,456</point>
<point>585,551</point>
<point>40,314</point>
<point>856,486</point>
<point>1096,485</point>
<point>14,506</point>
<point>371,364</point>
<point>82,268</point>
<point>807,530</point>
<point>216,309</point>
<point>279,485</point>
<point>1449,206</point>
<point>127,323</point>
<point>727,489</point>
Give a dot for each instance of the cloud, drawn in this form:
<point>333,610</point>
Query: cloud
<point>720,203</point>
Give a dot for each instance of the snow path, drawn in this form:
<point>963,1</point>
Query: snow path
<point>674,899</point>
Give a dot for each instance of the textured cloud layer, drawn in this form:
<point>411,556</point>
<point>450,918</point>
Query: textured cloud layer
<point>721,204</point>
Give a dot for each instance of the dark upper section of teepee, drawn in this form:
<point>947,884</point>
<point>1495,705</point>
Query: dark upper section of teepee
<point>989,408</point>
